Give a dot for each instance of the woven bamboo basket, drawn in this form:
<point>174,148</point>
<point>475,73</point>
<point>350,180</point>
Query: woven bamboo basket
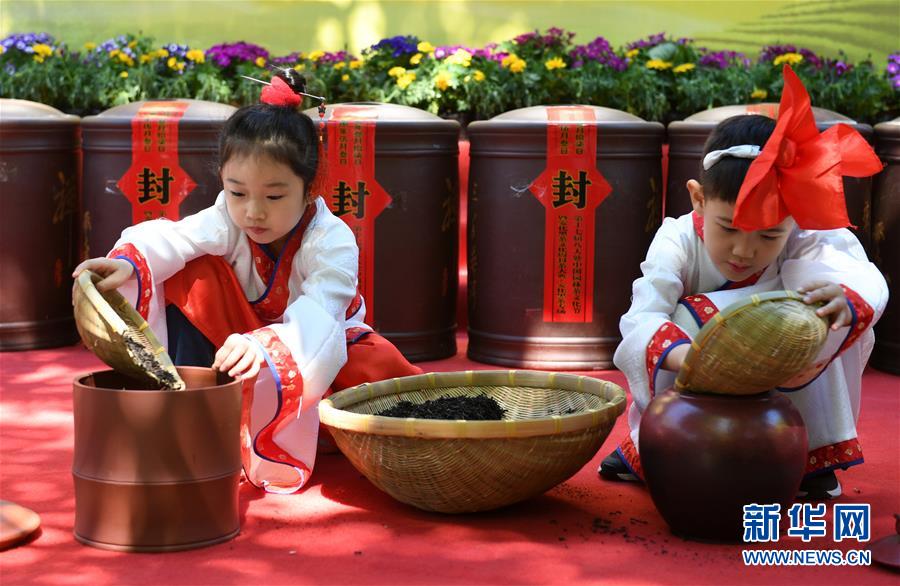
<point>554,424</point>
<point>754,345</point>
<point>113,330</point>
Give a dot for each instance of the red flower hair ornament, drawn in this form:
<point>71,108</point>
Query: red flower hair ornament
<point>279,93</point>
<point>799,171</point>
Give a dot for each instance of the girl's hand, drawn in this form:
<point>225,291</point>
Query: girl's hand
<point>115,270</point>
<point>835,302</point>
<point>239,357</point>
<point>675,357</point>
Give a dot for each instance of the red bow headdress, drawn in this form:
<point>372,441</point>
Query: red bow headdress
<point>799,171</point>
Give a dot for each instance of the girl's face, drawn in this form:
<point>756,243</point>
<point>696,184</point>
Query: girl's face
<point>265,198</point>
<point>737,254</point>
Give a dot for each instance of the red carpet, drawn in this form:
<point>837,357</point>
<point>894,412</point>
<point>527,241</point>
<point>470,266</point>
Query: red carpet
<point>342,530</point>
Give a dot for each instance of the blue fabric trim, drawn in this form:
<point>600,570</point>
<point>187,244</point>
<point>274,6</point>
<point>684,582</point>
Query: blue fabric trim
<point>137,273</point>
<point>662,358</point>
<point>842,466</point>
<point>277,379</point>
<point>693,312</point>
<point>277,263</point>
<point>853,321</point>
<point>358,338</point>
<point>622,457</point>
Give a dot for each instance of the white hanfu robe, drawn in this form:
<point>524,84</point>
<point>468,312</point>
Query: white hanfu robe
<point>307,296</point>
<point>678,270</point>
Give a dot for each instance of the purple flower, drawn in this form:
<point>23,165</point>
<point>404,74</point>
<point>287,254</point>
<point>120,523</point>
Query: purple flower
<point>335,57</point>
<point>397,46</point>
<point>770,52</point>
<point>554,39</point>
<point>598,50</point>
<point>227,53</point>
<point>650,41</point>
<point>723,59</point>
<point>290,58</point>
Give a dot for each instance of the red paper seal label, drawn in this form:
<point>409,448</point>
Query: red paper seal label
<point>347,182</point>
<point>155,184</point>
<point>570,189</point>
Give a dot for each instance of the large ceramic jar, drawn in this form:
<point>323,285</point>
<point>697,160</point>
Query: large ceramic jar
<point>886,244</point>
<point>147,160</point>
<point>38,225</point>
<point>563,203</point>
<point>687,137</point>
<point>390,172</point>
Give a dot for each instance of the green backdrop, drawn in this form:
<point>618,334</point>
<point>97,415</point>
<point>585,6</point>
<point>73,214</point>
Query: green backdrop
<point>859,27</point>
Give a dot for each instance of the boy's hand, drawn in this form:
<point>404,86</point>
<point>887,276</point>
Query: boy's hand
<point>239,357</point>
<point>835,302</point>
<point>115,271</point>
<point>675,357</point>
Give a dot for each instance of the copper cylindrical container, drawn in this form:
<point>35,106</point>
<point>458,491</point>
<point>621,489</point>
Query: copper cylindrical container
<point>147,160</point>
<point>156,470</point>
<point>705,456</point>
<point>38,223</point>
<point>390,172</point>
<point>687,137</point>
<point>563,203</point>
<point>886,244</point>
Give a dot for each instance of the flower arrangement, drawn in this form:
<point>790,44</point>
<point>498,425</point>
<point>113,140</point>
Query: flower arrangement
<point>657,78</point>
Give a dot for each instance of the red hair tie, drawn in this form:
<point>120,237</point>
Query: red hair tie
<point>799,171</point>
<point>279,93</point>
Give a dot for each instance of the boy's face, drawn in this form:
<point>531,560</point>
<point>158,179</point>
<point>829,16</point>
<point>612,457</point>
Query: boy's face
<point>265,198</point>
<point>736,253</point>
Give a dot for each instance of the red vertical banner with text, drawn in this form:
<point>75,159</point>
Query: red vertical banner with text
<point>347,182</point>
<point>570,189</point>
<point>155,183</point>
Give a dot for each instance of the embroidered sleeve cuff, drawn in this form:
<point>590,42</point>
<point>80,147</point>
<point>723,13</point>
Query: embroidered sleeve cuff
<point>142,271</point>
<point>862,315</point>
<point>667,337</point>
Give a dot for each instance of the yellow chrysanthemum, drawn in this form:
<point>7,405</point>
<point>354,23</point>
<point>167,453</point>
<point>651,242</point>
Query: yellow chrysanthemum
<point>161,53</point>
<point>340,65</point>
<point>172,62</point>
<point>145,58</point>
<point>684,67</point>
<point>90,46</point>
<point>518,66</point>
<point>460,57</point>
<point>260,62</point>
<point>425,47</point>
<point>632,53</point>
<point>659,64</point>
<point>508,60</point>
<point>42,50</point>
<point>126,59</point>
<point>300,67</point>
<point>316,55</point>
<point>404,80</point>
<point>113,53</point>
<point>789,58</point>
<point>759,94</point>
<point>479,75</point>
<point>415,59</point>
<point>442,81</point>
<point>38,58</point>
<point>345,77</point>
<point>195,55</point>
<point>2,49</point>
<point>123,74</point>
<point>355,64</point>
<point>396,71</point>
<point>555,63</point>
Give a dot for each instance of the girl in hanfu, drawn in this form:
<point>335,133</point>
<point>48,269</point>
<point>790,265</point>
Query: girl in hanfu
<point>262,285</point>
<point>769,214</point>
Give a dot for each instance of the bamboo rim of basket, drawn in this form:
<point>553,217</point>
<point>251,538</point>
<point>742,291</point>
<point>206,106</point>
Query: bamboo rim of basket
<point>332,413</point>
<point>682,381</point>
